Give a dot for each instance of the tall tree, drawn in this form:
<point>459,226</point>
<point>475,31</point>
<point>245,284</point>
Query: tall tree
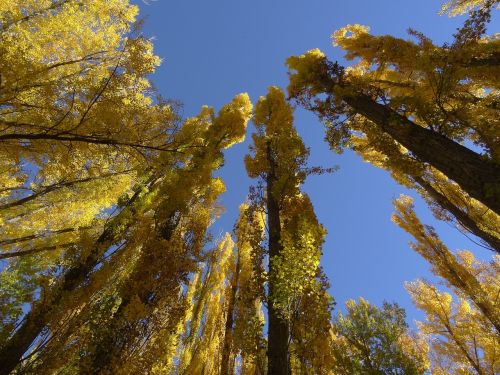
<point>170,194</point>
<point>459,276</point>
<point>463,335</point>
<point>203,346</point>
<point>78,117</point>
<point>244,320</point>
<point>428,99</point>
<point>225,317</point>
<point>294,234</point>
<point>80,126</point>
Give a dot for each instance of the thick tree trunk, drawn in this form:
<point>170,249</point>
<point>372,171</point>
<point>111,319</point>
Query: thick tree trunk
<point>479,177</point>
<point>39,315</point>
<point>279,330</point>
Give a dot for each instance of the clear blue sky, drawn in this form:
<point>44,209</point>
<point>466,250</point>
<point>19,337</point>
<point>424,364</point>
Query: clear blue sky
<point>215,49</point>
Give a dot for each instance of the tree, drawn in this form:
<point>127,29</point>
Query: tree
<point>460,276</point>
<point>202,347</point>
<point>372,340</point>
<point>171,195</point>
<point>418,96</point>
<point>224,321</point>
<point>294,234</point>
<point>460,342</point>
<point>244,322</point>
<point>79,124</point>
<point>463,335</point>
<point>78,117</point>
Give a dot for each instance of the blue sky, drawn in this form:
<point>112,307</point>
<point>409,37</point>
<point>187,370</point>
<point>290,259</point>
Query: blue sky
<point>213,50</point>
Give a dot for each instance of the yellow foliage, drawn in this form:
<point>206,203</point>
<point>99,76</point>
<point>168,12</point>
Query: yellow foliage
<point>457,7</point>
<point>306,70</point>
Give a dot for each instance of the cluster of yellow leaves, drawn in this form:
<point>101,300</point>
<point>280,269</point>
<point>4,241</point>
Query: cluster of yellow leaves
<point>463,335</point>
<point>249,317</point>
<point>276,139</point>
<point>460,341</point>
<point>457,7</point>
<point>307,74</point>
<point>297,265</point>
<point>74,95</point>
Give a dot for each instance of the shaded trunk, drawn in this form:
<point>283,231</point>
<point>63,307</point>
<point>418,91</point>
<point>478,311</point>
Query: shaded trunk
<point>477,176</point>
<point>35,250</point>
<point>462,217</point>
<point>279,330</point>
<point>466,282</point>
<point>80,139</point>
<point>39,315</point>
<point>227,367</point>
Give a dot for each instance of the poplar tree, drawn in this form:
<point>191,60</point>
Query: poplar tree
<point>461,324</point>
<point>294,234</point>
<point>224,322</point>
<point>243,338</point>
<point>153,212</point>
<point>458,275</point>
<point>415,96</point>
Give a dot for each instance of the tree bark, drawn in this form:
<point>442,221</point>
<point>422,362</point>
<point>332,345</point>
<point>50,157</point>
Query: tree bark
<point>478,177</point>
<point>279,330</point>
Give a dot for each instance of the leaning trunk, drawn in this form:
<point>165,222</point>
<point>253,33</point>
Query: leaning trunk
<point>462,217</point>
<point>479,177</point>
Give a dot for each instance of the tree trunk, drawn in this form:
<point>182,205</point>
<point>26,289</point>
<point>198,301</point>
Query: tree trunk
<point>227,368</point>
<point>479,177</point>
<point>279,330</point>
<point>462,217</point>
<point>466,282</point>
